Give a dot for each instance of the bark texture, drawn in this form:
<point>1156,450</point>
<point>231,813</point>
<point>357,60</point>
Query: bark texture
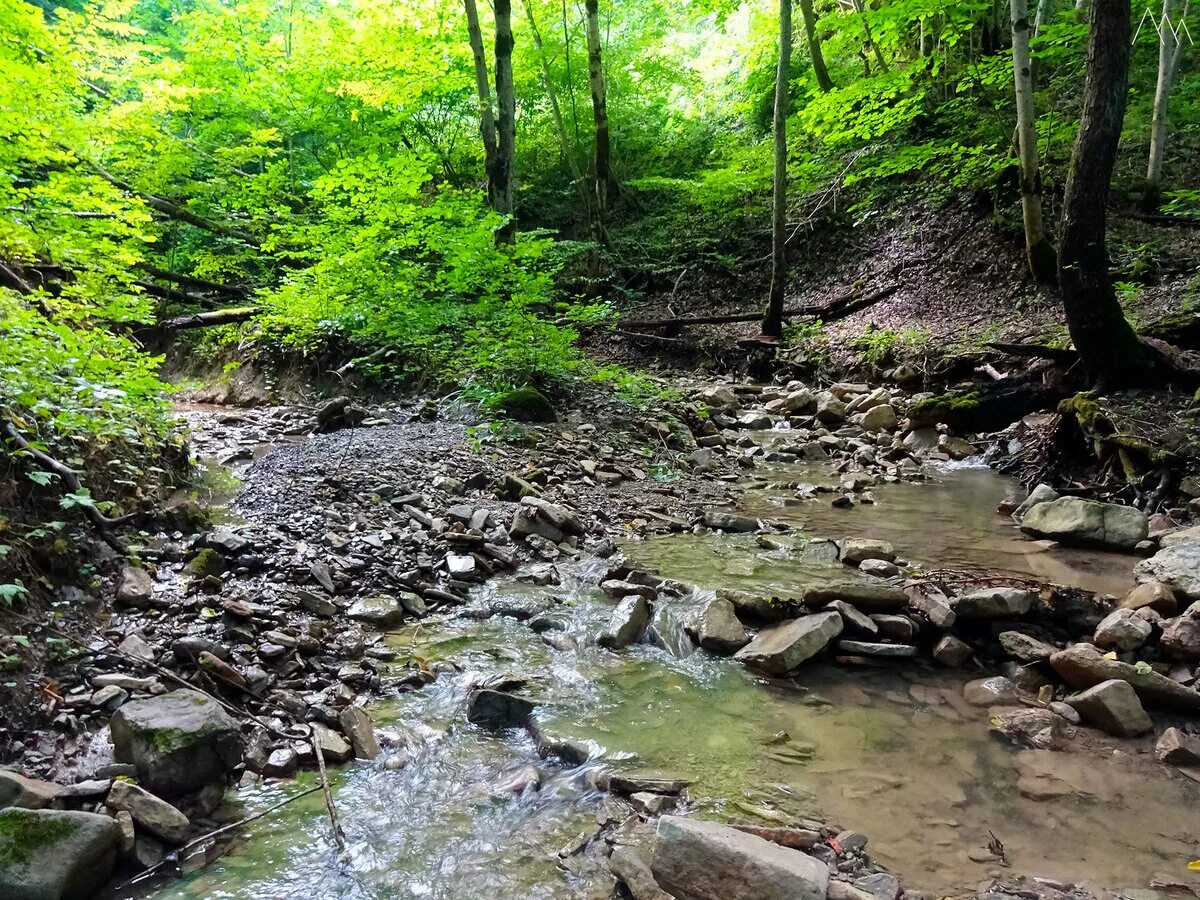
<point>1110,351</point>
<point>1038,251</point>
<point>1170,50</point>
<point>602,162</point>
<point>824,82</point>
<point>772,325</point>
<point>506,107</point>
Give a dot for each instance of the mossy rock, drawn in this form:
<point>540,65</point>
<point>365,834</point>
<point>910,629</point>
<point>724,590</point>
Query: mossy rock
<point>988,408</point>
<point>524,404</point>
<point>208,562</point>
<point>51,854</point>
<point>179,742</point>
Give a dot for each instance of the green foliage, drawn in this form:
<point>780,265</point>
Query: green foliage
<point>882,346</point>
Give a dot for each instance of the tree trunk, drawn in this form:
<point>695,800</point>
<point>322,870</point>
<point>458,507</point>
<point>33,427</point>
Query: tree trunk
<point>870,41</point>
<point>1038,250</point>
<point>772,324</point>
<point>824,82</point>
<point>487,116</point>
<point>1170,49</point>
<point>506,104</point>
<point>602,172</point>
<point>1110,351</point>
<point>560,124</point>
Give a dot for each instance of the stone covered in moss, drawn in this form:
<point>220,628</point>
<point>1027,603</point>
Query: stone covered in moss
<point>208,562</point>
<point>524,404</point>
<point>179,742</point>
<point>50,854</point>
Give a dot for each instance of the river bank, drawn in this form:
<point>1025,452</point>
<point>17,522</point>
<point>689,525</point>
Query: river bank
<point>403,566</point>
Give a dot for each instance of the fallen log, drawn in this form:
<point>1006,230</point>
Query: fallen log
<point>830,312</point>
<point>227,316</point>
<point>200,284</point>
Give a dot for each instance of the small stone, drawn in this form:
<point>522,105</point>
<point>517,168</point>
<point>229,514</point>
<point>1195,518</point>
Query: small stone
<point>1024,648</point>
<point>993,603</point>
<point>856,550</point>
<point>1122,629</point>
<point>994,691</point>
<point>381,611</point>
<point>157,816</point>
<point>879,568</point>
<point>1153,594</point>
<point>134,587</point>
<point>497,710</point>
<point>626,624</point>
<point>952,652</point>
<point>357,726</point>
<point>1177,748</point>
<point>717,628</point>
<point>335,748</point>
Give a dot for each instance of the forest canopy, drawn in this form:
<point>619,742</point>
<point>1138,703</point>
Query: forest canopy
<point>327,178</point>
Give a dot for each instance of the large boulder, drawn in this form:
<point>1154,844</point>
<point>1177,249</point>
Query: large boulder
<point>697,860</point>
<point>1176,566</point>
<point>1083,666</point>
<point>179,742</point>
<point>781,649</point>
<point>1112,706</point>
<point>1072,520</point>
<point>1042,493</point>
<point>50,854</point>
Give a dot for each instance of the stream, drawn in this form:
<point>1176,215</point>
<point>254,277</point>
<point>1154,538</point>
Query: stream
<point>893,752</point>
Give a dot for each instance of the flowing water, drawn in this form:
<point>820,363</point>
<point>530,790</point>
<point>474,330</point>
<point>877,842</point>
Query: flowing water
<point>892,752</point>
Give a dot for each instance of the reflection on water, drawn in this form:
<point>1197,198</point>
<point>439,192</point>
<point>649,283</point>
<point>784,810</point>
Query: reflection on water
<point>947,522</point>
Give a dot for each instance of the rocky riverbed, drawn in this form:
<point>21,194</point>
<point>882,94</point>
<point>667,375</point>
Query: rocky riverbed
<point>572,653</point>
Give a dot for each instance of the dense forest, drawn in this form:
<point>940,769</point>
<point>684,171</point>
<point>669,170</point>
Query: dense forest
<point>449,193</point>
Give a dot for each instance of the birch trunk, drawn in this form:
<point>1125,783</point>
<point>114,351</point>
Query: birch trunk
<point>506,106</point>
<point>772,325</point>
<point>1111,353</point>
<point>1038,251</point>
<point>824,82</point>
<point>1170,49</point>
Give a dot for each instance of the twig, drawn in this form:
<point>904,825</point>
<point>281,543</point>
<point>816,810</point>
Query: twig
<point>142,876</point>
<point>339,836</point>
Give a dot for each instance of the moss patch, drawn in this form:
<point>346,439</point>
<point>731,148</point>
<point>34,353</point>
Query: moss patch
<point>524,404</point>
<point>207,562</point>
<point>24,832</point>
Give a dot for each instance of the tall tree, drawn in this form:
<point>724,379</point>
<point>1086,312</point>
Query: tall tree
<point>824,82</point>
<point>602,166</point>
<point>506,106</point>
<point>1038,250</point>
<point>772,324</point>
<point>564,139</point>
<point>1110,351</point>
<point>498,132</point>
<point>1170,50</point>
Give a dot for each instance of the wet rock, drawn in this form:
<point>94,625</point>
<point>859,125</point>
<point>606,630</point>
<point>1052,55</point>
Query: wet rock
<point>1024,648</point>
<point>880,885</point>
<point>697,860</point>
<point>952,652</point>
<point>179,741</point>
<point>55,854</point>
<point>1042,493</point>
<point>956,447</point>
<point>26,793</point>
<point>993,603</point>
<point>497,710</point>
<point>380,611</point>
<point>754,607</point>
<point>1071,520</point>
<point>868,596</point>
<point>933,604</point>
<point>830,410</point>
<point>897,628</point>
<point>717,396</point>
<point>1112,706</point>
<point>875,649</point>
<point>879,568</point>
<point>335,748</point>
<point>1083,666</point>
<point>153,814</point>
<point>1153,594</point>
<point>281,763</point>
<point>652,804</point>
<point>626,624</point>
<point>564,519</point>
<point>717,628</point>
<point>1181,635</point>
<point>1040,729</point>
<point>633,872</point>
<point>357,726</point>
<point>994,691</point>
<point>857,622</point>
<point>857,550</point>
<point>527,522</point>
<point>1177,567</point>
<point>727,521</point>
<point>1122,629</point>
<point>134,587</point>
<point>783,648</point>
<point>614,587</point>
<point>524,779</point>
<point>1178,749</point>
<point>796,838</point>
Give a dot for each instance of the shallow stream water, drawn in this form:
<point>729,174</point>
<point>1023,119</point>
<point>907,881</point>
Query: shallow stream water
<point>892,752</point>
